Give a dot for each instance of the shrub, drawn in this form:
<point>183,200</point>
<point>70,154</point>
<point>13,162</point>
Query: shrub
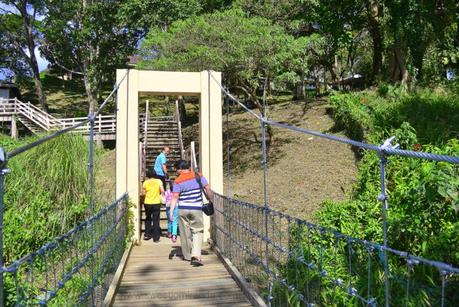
<point>46,192</point>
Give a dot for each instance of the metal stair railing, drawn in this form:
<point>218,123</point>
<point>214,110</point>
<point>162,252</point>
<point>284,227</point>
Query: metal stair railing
<point>145,141</point>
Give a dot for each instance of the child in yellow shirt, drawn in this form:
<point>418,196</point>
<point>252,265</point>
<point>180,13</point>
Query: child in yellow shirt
<point>152,189</point>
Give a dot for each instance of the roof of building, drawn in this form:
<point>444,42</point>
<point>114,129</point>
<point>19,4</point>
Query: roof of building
<point>6,84</point>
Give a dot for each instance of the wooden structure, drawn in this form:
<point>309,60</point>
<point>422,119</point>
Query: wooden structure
<point>36,120</point>
<point>155,275</point>
<point>8,91</point>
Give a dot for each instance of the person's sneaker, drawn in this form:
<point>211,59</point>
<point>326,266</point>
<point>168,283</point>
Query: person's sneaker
<point>146,238</point>
<point>169,235</point>
<point>174,239</point>
<point>156,241</point>
<point>196,261</point>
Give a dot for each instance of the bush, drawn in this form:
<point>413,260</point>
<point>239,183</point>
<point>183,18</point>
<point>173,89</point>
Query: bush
<point>46,192</point>
<point>369,116</point>
<point>423,214</point>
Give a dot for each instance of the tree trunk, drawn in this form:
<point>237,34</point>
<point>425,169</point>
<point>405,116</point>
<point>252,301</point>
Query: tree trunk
<point>399,73</point>
<point>27,22</point>
<point>90,92</point>
<point>39,91</point>
<point>375,14</point>
<point>182,108</point>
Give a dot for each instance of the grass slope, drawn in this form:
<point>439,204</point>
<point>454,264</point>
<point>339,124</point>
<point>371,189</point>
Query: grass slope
<point>302,170</point>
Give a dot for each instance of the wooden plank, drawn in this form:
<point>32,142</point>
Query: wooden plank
<point>223,283</point>
<point>180,294</point>
<point>109,297</point>
<point>151,278</point>
<point>253,296</point>
<point>188,303</point>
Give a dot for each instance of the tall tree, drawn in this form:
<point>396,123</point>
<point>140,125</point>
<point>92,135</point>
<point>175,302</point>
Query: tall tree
<point>88,37</point>
<point>142,15</point>
<point>375,28</point>
<point>249,51</point>
<point>20,39</point>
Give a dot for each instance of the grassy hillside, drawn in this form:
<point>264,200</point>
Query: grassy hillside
<point>303,171</point>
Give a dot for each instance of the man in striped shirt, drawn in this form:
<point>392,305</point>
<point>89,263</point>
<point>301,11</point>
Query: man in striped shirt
<point>188,195</point>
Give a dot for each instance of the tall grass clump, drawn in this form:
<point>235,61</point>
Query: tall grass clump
<point>46,192</point>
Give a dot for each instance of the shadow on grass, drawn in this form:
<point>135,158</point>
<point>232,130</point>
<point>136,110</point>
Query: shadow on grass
<point>436,119</point>
<point>245,147</point>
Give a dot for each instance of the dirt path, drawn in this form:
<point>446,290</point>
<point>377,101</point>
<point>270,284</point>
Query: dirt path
<point>303,170</point>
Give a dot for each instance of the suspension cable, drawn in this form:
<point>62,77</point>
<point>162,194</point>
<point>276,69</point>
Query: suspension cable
<point>227,93</point>
<point>378,148</point>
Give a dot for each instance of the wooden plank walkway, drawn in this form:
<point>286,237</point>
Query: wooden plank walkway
<point>155,275</point>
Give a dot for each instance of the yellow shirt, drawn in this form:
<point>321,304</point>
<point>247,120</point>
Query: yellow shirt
<point>152,191</point>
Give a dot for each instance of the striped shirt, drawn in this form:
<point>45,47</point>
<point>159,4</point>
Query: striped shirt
<point>190,195</point>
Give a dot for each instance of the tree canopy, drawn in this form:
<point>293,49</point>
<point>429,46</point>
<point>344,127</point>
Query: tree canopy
<point>247,50</point>
<point>288,42</point>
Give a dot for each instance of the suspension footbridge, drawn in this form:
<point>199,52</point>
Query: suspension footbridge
<point>254,255</point>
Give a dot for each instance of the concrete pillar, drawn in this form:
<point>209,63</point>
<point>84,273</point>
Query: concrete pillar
<point>14,127</point>
<point>127,143</point>
<point>210,130</point>
<point>127,128</point>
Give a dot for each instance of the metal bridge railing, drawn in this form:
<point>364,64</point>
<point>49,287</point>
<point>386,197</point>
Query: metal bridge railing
<point>74,268</point>
<point>292,262</point>
<point>305,264</point>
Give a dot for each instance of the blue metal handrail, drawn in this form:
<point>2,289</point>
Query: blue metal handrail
<point>41,276</point>
<point>80,256</point>
<point>291,252</point>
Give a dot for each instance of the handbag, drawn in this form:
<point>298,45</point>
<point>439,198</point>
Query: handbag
<point>208,208</point>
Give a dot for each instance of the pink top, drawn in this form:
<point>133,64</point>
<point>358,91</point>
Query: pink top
<point>169,196</point>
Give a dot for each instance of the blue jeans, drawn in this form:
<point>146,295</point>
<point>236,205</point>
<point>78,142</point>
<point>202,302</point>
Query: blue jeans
<point>172,226</point>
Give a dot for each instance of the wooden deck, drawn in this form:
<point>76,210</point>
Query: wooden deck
<point>156,276</point>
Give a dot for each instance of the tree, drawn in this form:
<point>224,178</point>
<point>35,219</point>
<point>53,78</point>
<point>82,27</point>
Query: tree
<point>142,15</point>
<point>375,15</point>
<point>88,37</point>
<point>20,37</point>
<point>248,51</point>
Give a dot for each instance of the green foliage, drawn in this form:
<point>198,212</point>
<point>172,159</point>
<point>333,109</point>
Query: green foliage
<point>145,14</point>
<point>90,38</point>
<point>46,192</point>
<point>371,116</point>
<point>423,215</point>
<point>245,49</point>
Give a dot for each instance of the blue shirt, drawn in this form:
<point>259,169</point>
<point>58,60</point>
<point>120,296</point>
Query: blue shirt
<point>160,161</point>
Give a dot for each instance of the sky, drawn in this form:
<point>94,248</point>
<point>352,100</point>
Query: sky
<point>42,62</point>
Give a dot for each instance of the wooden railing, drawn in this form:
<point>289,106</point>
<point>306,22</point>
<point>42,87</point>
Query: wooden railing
<point>6,108</point>
<point>104,124</point>
<point>36,115</point>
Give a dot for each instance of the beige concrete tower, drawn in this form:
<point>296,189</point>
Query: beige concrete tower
<point>128,164</point>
